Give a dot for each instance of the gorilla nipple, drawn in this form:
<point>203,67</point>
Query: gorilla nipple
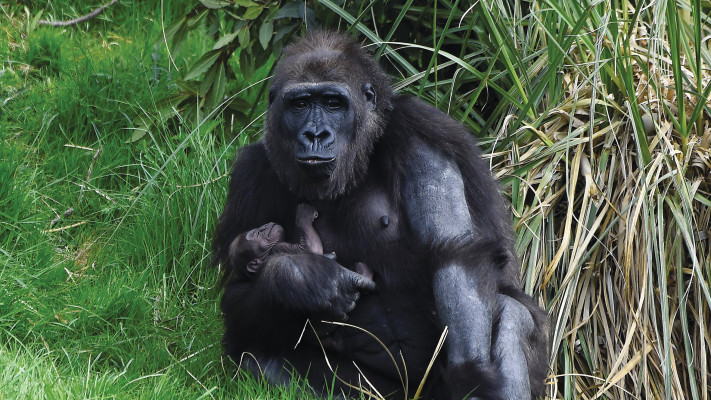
<point>384,221</point>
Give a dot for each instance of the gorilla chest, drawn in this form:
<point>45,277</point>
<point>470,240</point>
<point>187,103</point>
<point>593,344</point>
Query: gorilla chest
<point>367,227</point>
<point>364,227</point>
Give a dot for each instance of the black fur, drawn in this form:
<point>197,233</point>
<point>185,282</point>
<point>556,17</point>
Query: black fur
<point>475,378</point>
<point>265,314</point>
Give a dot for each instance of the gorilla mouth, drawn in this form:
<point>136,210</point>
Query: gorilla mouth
<point>317,168</point>
<point>315,160</point>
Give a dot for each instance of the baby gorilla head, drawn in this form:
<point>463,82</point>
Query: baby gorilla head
<point>252,247</point>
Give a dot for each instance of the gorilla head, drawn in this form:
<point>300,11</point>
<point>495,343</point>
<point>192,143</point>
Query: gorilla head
<point>252,247</point>
<point>323,120</point>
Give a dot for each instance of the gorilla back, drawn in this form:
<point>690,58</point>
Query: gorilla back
<point>401,187</point>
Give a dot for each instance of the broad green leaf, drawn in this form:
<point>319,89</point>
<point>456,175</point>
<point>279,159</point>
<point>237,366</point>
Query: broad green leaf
<point>203,64</point>
<point>220,84</point>
<point>283,31</point>
<point>166,106</point>
<point>173,28</point>
<point>208,79</point>
<point>194,21</point>
<point>179,37</point>
<point>246,64</point>
<point>290,10</point>
<point>190,88</point>
<point>225,40</point>
<point>246,3</point>
<point>215,4</point>
<point>243,36</point>
<point>265,33</point>
<point>217,93</point>
<point>35,20</point>
<point>239,104</point>
<point>252,12</point>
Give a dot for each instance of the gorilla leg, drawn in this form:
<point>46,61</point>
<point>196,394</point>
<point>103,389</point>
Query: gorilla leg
<point>270,368</point>
<point>515,325</point>
<point>465,306</point>
<point>497,345</point>
<point>522,326</point>
<point>321,374</point>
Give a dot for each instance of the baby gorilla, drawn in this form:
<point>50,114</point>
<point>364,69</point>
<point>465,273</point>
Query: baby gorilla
<point>251,248</point>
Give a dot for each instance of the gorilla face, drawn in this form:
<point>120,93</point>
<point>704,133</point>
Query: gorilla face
<point>265,237</point>
<point>252,247</point>
<point>314,138</point>
<point>323,119</point>
<point>319,121</point>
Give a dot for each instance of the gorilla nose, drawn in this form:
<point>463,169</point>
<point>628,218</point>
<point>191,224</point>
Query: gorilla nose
<point>318,137</point>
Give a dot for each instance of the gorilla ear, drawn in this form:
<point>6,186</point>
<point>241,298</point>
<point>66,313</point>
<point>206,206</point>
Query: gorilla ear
<point>370,96</point>
<point>272,94</point>
<point>253,265</point>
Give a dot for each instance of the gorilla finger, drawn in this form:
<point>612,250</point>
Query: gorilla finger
<point>363,269</point>
<point>351,306</point>
<point>363,282</point>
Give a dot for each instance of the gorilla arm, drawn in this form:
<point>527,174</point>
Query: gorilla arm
<point>271,308</point>
<point>465,288</point>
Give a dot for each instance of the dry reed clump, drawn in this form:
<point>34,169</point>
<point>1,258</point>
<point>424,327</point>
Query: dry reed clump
<point>613,217</point>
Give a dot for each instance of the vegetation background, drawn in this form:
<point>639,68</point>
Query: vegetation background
<point>117,133</point>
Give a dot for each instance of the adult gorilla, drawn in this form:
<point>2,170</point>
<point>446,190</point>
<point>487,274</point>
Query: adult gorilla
<point>399,186</point>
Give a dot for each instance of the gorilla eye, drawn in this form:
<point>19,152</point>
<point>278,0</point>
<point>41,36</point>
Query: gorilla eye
<point>334,103</point>
<point>299,104</point>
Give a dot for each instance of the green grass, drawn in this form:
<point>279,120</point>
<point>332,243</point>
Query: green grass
<point>115,299</point>
<point>594,116</point>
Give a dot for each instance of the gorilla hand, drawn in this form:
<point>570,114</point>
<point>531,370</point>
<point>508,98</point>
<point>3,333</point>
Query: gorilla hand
<point>314,285</point>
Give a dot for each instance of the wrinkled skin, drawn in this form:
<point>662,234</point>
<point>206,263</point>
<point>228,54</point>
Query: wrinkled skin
<point>399,187</point>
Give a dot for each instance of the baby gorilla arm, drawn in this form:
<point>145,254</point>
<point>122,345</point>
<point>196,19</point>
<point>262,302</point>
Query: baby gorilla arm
<point>306,240</point>
<point>250,249</point>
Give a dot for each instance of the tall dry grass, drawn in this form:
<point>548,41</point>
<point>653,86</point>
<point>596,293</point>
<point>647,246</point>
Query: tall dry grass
<point>602,137</point>
<point>611,186</point>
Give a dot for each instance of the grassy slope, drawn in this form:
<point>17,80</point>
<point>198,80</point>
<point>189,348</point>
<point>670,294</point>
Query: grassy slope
<point>115,299</point>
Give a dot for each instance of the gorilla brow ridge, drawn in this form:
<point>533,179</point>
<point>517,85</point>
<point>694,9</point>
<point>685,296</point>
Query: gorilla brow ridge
<point>311,85</point>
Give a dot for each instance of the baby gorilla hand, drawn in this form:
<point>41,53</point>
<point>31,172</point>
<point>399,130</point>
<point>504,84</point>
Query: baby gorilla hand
<point>306,213</point>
